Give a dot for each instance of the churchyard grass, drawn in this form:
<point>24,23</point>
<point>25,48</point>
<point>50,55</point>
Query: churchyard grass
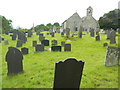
<point>39,67</point>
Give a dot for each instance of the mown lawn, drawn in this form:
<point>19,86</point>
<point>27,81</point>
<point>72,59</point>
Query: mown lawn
<point>39,67</point>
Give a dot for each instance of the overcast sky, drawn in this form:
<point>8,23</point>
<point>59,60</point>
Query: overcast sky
<point>24,13</point>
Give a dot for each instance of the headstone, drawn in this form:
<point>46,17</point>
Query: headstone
<point>112,37</point>
<point>39,48</point>
<point>6,42</point>
<point>54,42</point>
<point>80,35</point>
<point>67,47</point>
<point>29,33</point>
<point>45,42</point>
<point>34,43</point>
<point>67,32</point>
<point>14,61</point>
<point>19,43</point>
<point>62,43</point>
<point>98,38</point>
<point>68,74</point>
<point>62,34</point>
<point>112,55</point>
<point>37,32</point>
<point>47,33</point>
<point>7,32</point>
<point>13,37</point>
<point>105,44</point>
<point>92,33</point>
<point>24,50</point>
<point>52,34</point>
<point>2,39</point>
<point>56,48</point>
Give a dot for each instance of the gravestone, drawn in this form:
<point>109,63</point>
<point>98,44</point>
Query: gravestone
<point>92,33</point>
<point>14,61</point>
<point>67,47</point>
<point>98,38</point>
<point>6,42</point>
<point>47,33</point>
<point>24,50</point>
<point>39,48</point>
<point>15,32</point>
<point>29,33</point>
<point>80,35</point>
<point>7,32</point>
<point>105,44</point>
<point>68,74</point>
<point>97,32</point>
<point>112,37</point>
<point>37,32</point>
<point>62,34</point>
<point>108,34</point>
<point>53,34</point>
<point>45,42</point>
<point>2,39</point>
<point>41,37</point>
<point>13,37</point>
<point>19,43</point>
<point>62,43</point>
<point>67,32</point>
<point>112,55</point>
<point>54,42</point>
<point>34,43</point>
<point>56,48</point>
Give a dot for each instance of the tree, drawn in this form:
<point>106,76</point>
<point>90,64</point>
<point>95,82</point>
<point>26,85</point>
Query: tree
<point>110,20</point>
<point>56,24</point>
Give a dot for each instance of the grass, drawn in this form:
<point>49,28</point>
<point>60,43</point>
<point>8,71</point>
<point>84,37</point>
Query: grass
<point>39,67</point>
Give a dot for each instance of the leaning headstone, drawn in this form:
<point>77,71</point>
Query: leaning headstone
<point>39,48</point>
<point>6,42</point>
<point>19,43</point>
<point>56,48</point>
<point>97,38</point>
<point>34,43</point>
<point>68,74</point>
<point>14,61</point>
<point>24,50</point>
<point>45,42</point>
<point>112,37</point>
<point>67,47</point>
<point>62,43</point>
<point>54,42</point>
<point>105,44</point>
<point>112,55</point>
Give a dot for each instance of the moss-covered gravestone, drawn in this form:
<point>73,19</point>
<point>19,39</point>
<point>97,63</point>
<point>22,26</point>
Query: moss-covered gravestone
<point>68,73</point>
<point>14,61</point>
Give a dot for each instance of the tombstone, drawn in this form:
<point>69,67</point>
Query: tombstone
<point>41,35</point>
<point>53,34</point>
<point>67,47</point>
<point>19,43</point>
<point>92,32</point>
<point>29,33</point>
<point>34,43</point>
<point>108,34</point>
<point>62,43</point>
<point>54,42</point>
<point>47,33</point>
<point>6,42</point>
<point>112,55</point>
<point>7,32</point>
<point>68,74</point>
<point>112,37</point>
<point>67,32</point>
<point>97,32</point>
<point>24,50</point>
<point>105,44</point>
<point>15,32</point>
<point>41,38</point>
<point>37,32</point>
<point>56,48</point>
<point>2,39</point>
<point>13,37</point>
<point>14,61</point>
<point>98,38</point>
<point>39,48</point>
<point>45,42</point>
<point>80,35</point>
<point>62,34</point>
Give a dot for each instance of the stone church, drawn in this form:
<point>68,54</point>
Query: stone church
<point>75,21</point>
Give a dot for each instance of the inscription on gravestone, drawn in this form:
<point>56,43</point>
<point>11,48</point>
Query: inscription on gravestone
<point>68,73</point>
<point>14,61</point>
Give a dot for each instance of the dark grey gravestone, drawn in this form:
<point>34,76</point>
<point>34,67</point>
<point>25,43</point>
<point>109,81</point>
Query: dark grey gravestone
<point>67,32</point>
<point>29,33</point>
<point>54,42</point>
<point>56,48</point>
<point>7,32</point>
<point>112,37</point>
<point>13,37</point>
<point>67,47</point>
<point>97,32</point>
<point>37,32</point>
<point>92,33</point>
<point>97,38</point>
<point>6,42</point>
<point>108,34</point>
<point>24,50</point>
<point>47,33</point>
<point>39,48</point>
<point>34,43</point>
<point>15,32</point>
<point>62,43</point>
<point>68,74</point>
<point>41,34</point>
<point>2,39</point>
<point>14,61</point>
<point>45,42</point>
<point>105,44</point>
<point>80,35</point>
<point>112,55</point>
<point>62,34</point>
<point>19,43</point>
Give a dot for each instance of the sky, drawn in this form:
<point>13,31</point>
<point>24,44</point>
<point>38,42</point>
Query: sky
<point>24,13</point>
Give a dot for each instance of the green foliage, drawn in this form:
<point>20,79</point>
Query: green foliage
<point>110,20</point>
<point>6,24</point>
<point>39,67</point>
<point>56,24</point>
